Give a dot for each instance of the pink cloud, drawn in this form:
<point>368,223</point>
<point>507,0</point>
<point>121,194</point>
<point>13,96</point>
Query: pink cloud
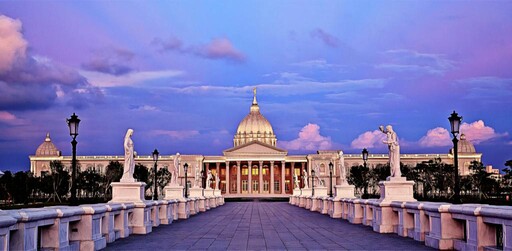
<point>309,139</point>
<point>478,132</point>
<point>12,43</point>
<point>369,139</point>
<point>436,137</point>
<point>178,135</point>
<point>220,48</point>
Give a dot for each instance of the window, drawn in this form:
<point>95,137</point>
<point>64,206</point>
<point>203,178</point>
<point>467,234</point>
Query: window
<point>287,186</point>
<point>265,185</point>
<point>255,186</point>
<point>264,170</point>
<point>287,171</point>
<point>223,186</point>
<point>245,187</point>
<point>322,168</point>
<point>245,171</point>
<point>255,170</point>
<point>277,186</point>
<point>297,171</point>
<point>222,171</point>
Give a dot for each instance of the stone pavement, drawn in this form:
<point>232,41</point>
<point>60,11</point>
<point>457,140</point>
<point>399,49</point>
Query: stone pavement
<point>264,225</point>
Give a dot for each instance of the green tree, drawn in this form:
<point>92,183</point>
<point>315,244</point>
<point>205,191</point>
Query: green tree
<point>482,180</point>
<point>6,184</point>
<point>507,177</point>
<point>90,182</point>
<point>141,173</point>
<point>113,173</point>
<point>359,177</point>
<point>60,180</point>
<point>163,177</point>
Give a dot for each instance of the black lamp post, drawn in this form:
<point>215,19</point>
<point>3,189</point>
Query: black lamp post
<point>330,176</point>
<point>202,179</point>
<point>455,120</point>
<point>73,123</point>
<point>155,159</point>
<point>185,168</point>
<point>312,182</point>
<point>365,158</point>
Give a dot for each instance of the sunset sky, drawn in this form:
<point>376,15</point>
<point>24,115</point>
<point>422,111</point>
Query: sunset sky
<point>181,74</point>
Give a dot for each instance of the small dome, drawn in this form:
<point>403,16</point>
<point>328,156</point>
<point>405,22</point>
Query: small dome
<point>465,146</point>
<point>254,127</point>
<point>47,148</point>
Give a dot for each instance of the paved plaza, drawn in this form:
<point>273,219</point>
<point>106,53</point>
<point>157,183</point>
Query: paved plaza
<point>264,225</point>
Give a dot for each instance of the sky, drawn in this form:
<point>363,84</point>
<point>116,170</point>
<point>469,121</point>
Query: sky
<point>181,74</point>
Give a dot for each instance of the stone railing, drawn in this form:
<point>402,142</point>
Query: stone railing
<point>90,227</point>
<point>439,225</point>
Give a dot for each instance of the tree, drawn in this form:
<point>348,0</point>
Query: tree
<point>481,178</point>
<point>359,177</point>
<point>507,177</point>
<point>141,173</point>
<point>114,172</point>
<point>60,179</point>
<point>6,182</point>
<point>90,182</point>
<point>163,177</point>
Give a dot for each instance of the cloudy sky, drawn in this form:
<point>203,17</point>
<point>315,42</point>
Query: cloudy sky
<point>181,74</point>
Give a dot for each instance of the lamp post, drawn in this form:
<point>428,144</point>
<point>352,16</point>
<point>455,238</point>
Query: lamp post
<point>365,158</point>
<point>185,167</point>
<point>73,123</point>
<point>330,176</point>
<point>312,182</point>
<point>455,120</point>
<point>155,159</point>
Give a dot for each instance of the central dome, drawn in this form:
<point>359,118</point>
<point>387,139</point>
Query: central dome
<point>254,127</point>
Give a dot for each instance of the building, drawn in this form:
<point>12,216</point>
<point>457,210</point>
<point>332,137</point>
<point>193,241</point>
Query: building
<point>254,167</point>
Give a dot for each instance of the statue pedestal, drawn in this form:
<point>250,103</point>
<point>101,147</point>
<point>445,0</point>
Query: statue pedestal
<point>316,200</point>
<point>176,192</point>
<point>396,189</point>
<point>305,192</point>
<point>320,191</point>
<point>210,196</point>
<point>197,192</point>
<point>296,192</point>
<point>128,191</point>
<point>344,191</point>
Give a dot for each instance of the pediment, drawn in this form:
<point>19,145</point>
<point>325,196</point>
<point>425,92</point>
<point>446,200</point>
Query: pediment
<point>255,148</point>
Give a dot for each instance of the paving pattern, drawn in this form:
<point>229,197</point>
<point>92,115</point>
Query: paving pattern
<point>264,226</point>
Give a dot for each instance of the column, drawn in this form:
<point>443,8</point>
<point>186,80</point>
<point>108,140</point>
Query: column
<point>249,180</point>
<point>238,177</point>
<point>271,177</point>
<point>302,166</point>
<point>217,168</point>
<point>261,176</point>
<point>228,177</point>
<point>282,177</point>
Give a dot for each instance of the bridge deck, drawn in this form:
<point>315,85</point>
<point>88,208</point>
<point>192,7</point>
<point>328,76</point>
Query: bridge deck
<point>264,225</point>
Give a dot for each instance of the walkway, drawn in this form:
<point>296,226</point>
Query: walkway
<point>264,225</point>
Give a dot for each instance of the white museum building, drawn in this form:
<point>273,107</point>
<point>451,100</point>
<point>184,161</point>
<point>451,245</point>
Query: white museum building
<point>254,166</point>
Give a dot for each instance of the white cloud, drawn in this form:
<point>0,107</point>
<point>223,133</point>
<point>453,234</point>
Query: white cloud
<point>369,139</point>
<point>107,80</point>
<point>413,61</point>
<point>436,137</point>
<point>309,139</point>
<point>12,43</point>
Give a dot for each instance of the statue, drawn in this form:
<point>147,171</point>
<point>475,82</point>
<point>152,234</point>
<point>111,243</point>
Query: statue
<point>197,177</point>
<point>296,181</point>
<point>217,181</point>
<point>317,172</point>
<point>129,158</point>
<point>342,169</point>
<point>394,150</point>
<point>209,178</point>
<point>174,171</point>
<point>305,178</point>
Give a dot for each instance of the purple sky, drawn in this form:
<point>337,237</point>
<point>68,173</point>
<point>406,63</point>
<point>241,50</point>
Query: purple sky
<point>181,74</point>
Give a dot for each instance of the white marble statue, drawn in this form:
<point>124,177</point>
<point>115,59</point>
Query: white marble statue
<point>305,178</point>
<point>197,177</point>
<point>342,170</point>
<point>217,181</point>
<point>295,181</point>
<point>129,158</point>
<point>174,171</point>
<point>320,182</point>
<point>394,150</point>
<point>209,178</point>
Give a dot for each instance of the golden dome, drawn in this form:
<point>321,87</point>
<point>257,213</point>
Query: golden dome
<point>464,146</point>
<point>254,127</point>
<point>47,148</point>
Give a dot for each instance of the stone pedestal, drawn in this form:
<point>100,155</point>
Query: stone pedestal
<point>197,192</point>
<point>344,191</point>
<point>128,191</point>
<point>176,192</point>
<point>208,193</point>
<point>296,192</point>
<point>305,192</point>
<point>396,189</point>
<point>320,191</point>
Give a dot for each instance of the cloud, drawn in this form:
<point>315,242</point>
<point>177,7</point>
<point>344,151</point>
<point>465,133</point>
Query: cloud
<point>9,118</point>
<point>436,137</point>
<point>309,139</point>
<point>145,108</point>
<point>111,61</point>
<point>218,48</point>
<point>476,132</point>
<point>133,78</point>
<point>412,61</point>
<point>316,64</point>
<point>12,44</point>
<point>325,37</point>
<point>369,139</point>
<point>488,88</point>
<point>177,135</point>
<point>36,82</point>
